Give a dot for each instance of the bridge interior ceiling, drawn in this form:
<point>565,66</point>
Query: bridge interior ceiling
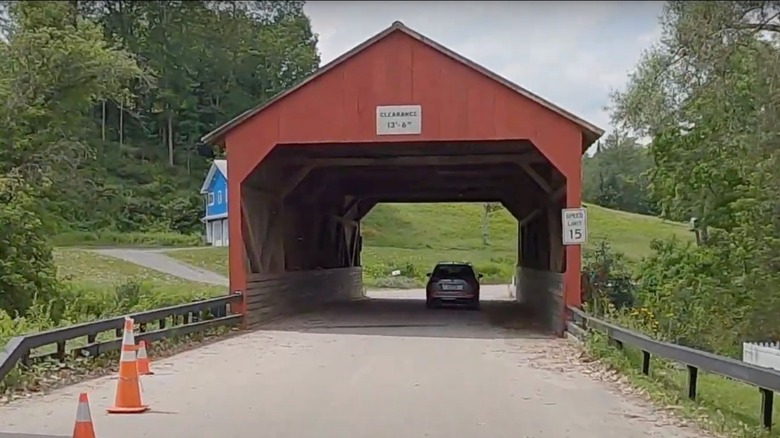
<point>302,205</point>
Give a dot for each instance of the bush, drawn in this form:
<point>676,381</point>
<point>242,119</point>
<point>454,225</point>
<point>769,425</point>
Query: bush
<point>76,304</point>
<point>697,296</point>
<point>694,293</point>
<point>397,282</point>
<point>27,267</point>
<point>114,238</point>
<point>494,273</point>
<point>607,279</point>
<point>409,269</point>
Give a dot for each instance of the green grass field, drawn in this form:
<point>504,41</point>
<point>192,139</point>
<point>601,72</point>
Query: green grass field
<point>95,287</point>
<point>412,237</point>
<point>104,279</point>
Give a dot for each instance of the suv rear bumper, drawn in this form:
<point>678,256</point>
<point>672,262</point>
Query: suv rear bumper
<point>449,295</point>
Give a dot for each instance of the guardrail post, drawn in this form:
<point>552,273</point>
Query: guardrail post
<point>61,351</point>
<point>25,360</point>
<point>693,377</point>
<point>645,363</point>
<point>767,407</point>
<point>20,350</point>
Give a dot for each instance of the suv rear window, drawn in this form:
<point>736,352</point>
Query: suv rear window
<point>453,271</point>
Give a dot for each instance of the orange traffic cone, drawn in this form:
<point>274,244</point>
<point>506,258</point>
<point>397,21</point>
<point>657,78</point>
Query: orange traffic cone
<point>128,387</point>
<point>143,360</point>
<point>83,427</point>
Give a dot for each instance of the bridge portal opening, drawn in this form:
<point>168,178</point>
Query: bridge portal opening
<point>307,166</point>
<point>303,205</point>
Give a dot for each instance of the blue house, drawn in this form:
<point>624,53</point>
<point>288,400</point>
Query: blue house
<point>215,193</point>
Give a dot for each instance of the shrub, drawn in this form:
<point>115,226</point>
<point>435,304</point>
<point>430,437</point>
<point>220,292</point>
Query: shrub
<point>26,264</point>
<point>397,282</point>
<point>494,273</point>
<point>113,238</point>
<point>607,280</point>
<point>694,293</point>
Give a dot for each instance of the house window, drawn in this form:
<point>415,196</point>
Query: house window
<point>211,199</point>
<point>226,194</point>
<point>219,197</point>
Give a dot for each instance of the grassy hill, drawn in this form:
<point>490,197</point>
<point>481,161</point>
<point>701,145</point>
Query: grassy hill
<point>412,237</point>
<point>95,287</point>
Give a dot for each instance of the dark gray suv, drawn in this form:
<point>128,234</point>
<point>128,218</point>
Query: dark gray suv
<point>452,283</point>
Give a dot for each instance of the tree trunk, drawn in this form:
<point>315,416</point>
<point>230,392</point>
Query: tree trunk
<point>122,122</point>
<point>103,122</point>
<point>170,139</point>
<point>485,224</point>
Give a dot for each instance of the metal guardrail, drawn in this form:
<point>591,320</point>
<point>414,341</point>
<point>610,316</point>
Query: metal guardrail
<point>765,379</point>
<point>170,322</point>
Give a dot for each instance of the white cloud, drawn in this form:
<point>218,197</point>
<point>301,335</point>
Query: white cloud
<point>572,53</point>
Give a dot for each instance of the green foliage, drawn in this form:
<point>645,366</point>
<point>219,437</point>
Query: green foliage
<point>103,104</point>
<point>130,239</point>
<point>93,287</point>
<point>707,94</point>
<point>106,101</point>
<point>26,266</point>
<point>394,282</point>
<point>616,176</point>
<point>606,279</point>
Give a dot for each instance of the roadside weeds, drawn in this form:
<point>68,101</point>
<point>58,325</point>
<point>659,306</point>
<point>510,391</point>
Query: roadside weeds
<point>44,377</point>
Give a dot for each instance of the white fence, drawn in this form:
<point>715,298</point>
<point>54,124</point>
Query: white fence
<point>763,354</point>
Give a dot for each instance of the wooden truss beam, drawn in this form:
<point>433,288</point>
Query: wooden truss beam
<point>421,160</point>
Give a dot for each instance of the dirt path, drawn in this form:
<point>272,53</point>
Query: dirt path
<point>155,259</point>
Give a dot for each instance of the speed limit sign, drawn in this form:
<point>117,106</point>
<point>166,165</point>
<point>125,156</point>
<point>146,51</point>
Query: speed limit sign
<point>575,226</point>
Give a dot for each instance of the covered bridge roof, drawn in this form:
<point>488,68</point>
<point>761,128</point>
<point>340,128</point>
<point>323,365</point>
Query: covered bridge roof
<point>590,132</point>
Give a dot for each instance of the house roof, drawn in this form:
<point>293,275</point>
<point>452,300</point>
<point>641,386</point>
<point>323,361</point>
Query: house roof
<point>591,132</point>
<point>216,165</point>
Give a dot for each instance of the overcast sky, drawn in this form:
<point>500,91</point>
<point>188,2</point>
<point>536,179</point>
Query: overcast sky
<point>571,53</point>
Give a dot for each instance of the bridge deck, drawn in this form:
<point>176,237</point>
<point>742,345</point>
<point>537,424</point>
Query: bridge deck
<point>384,368</point>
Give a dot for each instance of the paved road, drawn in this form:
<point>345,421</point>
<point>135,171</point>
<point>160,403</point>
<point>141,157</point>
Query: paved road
<point>378,368</point>
<point>155,259</point>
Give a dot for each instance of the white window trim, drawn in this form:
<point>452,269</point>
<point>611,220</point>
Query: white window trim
<point>211,198</point>
<point>219,197</point>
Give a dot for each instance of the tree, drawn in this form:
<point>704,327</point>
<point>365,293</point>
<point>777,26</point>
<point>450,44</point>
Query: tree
<point>135,158</point>
<point>616,175</point>
<point>707,94</point>
<point>488,209</point>
<point>54,68</point>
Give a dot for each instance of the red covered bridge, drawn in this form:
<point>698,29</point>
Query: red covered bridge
<point>399,118</point>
